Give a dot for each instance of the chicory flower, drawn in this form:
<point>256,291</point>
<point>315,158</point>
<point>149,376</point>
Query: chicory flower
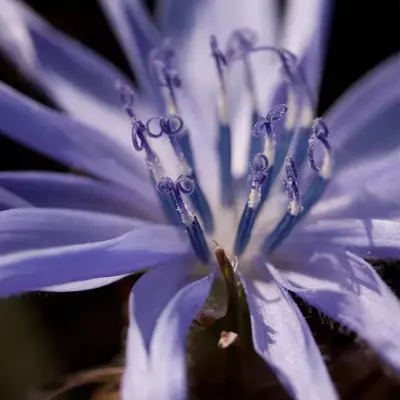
<point>66,232</point>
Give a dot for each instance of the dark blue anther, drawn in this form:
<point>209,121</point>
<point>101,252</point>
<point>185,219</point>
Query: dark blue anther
<point>290,218</point>
<point>257,178</point>
<point>185,185</point>
<point>173,127</point>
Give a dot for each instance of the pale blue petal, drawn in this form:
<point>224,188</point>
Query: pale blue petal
<point>161,320</point>
<point>347,289</point>
<point>72,143</point>
<point>137,36</point>
<point>367,190</point>
<point>58,190</point>
<point>364,123</point>
<point>283,339</point>
<point>144,312</point>
<point>46,247</point>
<point>366,238</point>
<point>11,200</point>
<point>79,81</point>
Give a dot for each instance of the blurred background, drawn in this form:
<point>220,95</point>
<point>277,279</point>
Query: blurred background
<point>45,336</point>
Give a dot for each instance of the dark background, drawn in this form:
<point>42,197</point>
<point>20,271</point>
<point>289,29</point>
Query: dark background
<point>45,335</point>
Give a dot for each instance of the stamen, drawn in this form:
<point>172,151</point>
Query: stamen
<point>264,128</point>
<point>320,132</point>
<point>257,178</point>
<point>224,140</point>
<point>162,61</point>
<point>317,187</point>
<point>288,221</point>
<point>140,143</point>
<point>298,207</point>
<point>299,117</point>
<point>127,98</point>
<point>185,185</point>
<point>290,69</point>
<point>172,126</point>
<point>304,102</point>
<point>240,44</point>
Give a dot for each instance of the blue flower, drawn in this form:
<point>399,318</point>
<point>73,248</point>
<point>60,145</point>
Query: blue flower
<point>67,232</point>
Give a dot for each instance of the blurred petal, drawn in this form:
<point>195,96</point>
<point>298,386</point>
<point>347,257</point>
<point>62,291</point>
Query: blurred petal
<point>305,34</point>
<point>79,81</point>
<point>283,339</point>
<point>176,17</point>
<point>72,143</point>
<point>347,289</point>
<point>137,36</point>
<point>364,122</point>
<point>57,190</point>
<point>367,238</point>
<point>157,333</point>
<point>44,247</point>
<point>11,200</point>
<point>83,285</point>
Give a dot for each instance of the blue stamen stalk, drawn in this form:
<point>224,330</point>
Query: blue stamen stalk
<point>224,137</point>
<point>257,178</point>
<point>288,221</point>
<point>174,190</point>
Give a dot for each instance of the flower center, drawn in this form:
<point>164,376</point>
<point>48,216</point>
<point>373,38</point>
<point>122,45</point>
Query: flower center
<point>269,153</point>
